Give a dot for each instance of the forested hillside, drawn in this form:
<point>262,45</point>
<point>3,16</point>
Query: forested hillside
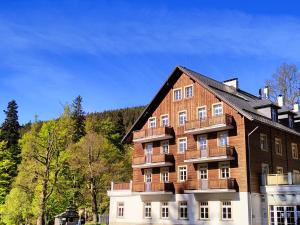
<point>47,165</point>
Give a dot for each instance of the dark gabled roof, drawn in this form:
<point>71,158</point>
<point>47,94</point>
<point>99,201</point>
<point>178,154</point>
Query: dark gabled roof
<point>286,110</point>
<point>244,103</point>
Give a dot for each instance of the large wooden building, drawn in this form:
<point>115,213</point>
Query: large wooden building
<point>206,152</point>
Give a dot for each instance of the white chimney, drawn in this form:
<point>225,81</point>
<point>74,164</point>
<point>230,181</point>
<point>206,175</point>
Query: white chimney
<point>232,83</point>
<point>266,92</point>
<point>296,107</point>
<point>280,100</point>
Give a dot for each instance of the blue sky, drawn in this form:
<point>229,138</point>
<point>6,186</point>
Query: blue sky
<point>118,53</point>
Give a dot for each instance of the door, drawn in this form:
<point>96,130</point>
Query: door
<point>148,152</point>
<point>203,177</point>
<point>202,140</point>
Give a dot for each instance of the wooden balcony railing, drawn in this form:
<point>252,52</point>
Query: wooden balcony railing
<point>152,133</point>
<point>121,186</point>
<point>152,187</point>
<point>150,158</point>
<point>210,152</point>
<point>225,119</point>
<point>228,183</point>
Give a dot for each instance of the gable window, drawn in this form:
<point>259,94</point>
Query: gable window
<point>295,151</point>
<point>182,173</point>
<point>152,122</point>
<point>224,170</point>
<point>202,172</point>
<point>217,109</point>
<point>263,142</point>
<point>147,210</point>
<point>223,139</point>
<point>188,91</point>
<point>148,176</point>
<point>165,147</point>
<point>120,209</point>
<point>164,210</point>
<point>278,146</point>
<point>183,210</point>
<point>203,207</point>
<point>182,118</point>
<point>226,211</point>
<point>164,175</point>
<point>202,113</point>
<point>177,94</point>
<point>182,145</point>
<point>165,120</point>
<point>202,141</point>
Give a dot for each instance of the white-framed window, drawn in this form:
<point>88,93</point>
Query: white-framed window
<point>182,118</point>
<point>226,211</point>
<point>279,170</point>
<point>148,149</point>
<point>120,209</point>
<point>202,142</point>
<point>223,139</point>
<point>164,147</point>
<point>182,145</point>
<point>164,210</point>
<point>203,211</point>
<point>147,210</point>
<point>201,113</point>
<point>295,153</point>
<point>263,142</point>
<point>217,109</point>
<point>148,175</point>
<point>164,174</point>
<point>224,170</point>
<point>177,95</point>
<point>164,120</point>
<point>182,173</point>
<point>152,122</point>
<point>203,172</point>
<point>278,146</point>
<point>264,168</point>
<point>183,210</point>
<point>188,91</point>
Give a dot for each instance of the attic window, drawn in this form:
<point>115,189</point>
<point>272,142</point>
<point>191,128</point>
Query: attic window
<point>188,91</point>
<point>274,115</point>
<point>177,95</point>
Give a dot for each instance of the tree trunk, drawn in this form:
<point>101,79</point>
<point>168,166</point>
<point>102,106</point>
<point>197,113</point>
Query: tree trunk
<point>42,204</point>
<point>94,201</point>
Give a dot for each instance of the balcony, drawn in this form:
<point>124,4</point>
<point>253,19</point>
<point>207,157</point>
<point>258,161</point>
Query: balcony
<point>153,188</point>
<point>120,189</point>
<point>210,186</point>
<point>209,155</point>
<point>217,123</point>
<point>153,134</point>
<point>280,183</point>
<point>151,161</point>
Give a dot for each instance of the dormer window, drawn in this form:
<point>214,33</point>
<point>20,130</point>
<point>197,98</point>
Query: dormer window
<point>274,115</point>
<point>291,121</point>
<point>152,122</point>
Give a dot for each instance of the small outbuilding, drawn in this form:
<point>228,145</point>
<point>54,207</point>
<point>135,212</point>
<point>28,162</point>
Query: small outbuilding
<point>69,217</point>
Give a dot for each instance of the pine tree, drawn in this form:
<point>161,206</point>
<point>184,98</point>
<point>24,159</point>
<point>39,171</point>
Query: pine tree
<point>78,119</point>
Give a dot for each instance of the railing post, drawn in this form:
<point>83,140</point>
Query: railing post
<point>290,178</point>
<point>112,185</point>
<point>130,185</point>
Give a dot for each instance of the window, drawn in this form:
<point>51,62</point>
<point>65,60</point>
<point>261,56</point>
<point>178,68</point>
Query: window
<point>148,176</point>
<point>152,122</point>
<point>182,173</point>
<point>291,121</point>
<point>182,118</point>
<point>177,94</point>
<point>165,147</point>
<point>147,210</point>
<point>217,109</point>
<point>278,146</point>
<point>188,91</point>
<point>165,120</point>
<point>263,142</point>
<point>120,209</point>
<point>182,145</point>
<point>203,214</point>
<point>201,113</point>
<point>223,139</point>
<point>264,168</point>
<point>224,170</point>
<point>164,210</point>
<point>183,210</point>
<point>164,175</point>
<point>274,115</point>
<point>295,151</point>
<point>279,170</point>
<point>226,211</point>
<point>202,141</point>
<point>203,172</point>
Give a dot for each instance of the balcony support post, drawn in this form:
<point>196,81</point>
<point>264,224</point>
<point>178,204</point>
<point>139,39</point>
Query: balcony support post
<point>112,185</point>
<point>290,178</point>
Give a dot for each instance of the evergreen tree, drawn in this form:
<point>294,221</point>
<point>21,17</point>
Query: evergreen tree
<point>78,119</point>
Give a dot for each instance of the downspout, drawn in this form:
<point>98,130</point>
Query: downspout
<point>249,169</point>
